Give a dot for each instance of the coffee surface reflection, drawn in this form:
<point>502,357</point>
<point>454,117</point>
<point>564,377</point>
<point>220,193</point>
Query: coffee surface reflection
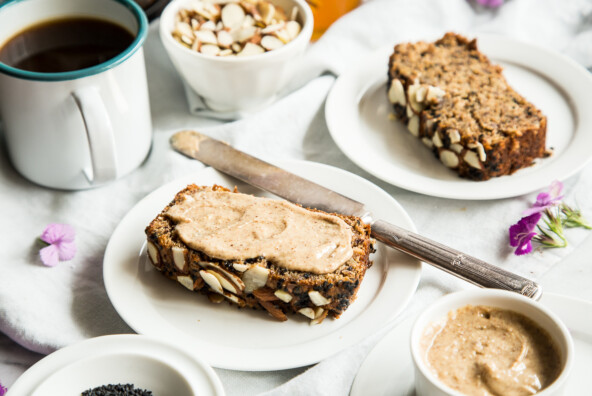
<point>64,45</point>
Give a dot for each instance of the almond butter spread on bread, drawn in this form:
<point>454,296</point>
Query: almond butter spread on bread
<point>261,253</point>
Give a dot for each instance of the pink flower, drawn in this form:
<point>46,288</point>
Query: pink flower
<point>521,233</point>
<point>60,238</point>
<point>546,200</point>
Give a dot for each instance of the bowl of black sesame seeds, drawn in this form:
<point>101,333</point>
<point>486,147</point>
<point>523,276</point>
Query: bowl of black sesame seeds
<point>120,365</point>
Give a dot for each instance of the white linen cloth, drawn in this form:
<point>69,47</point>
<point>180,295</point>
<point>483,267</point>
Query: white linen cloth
<point>44,308</point>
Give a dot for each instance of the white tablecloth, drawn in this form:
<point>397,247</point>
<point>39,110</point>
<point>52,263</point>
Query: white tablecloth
<point>44,309</point>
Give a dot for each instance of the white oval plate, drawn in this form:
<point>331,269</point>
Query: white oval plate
<point>357,115</point>
<point>145,362</point>
<point>250,340</point>
<point>388,368</point>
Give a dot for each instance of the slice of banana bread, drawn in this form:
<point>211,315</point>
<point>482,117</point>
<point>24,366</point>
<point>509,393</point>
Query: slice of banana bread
<point>257,282</point>
<point>460,105</point>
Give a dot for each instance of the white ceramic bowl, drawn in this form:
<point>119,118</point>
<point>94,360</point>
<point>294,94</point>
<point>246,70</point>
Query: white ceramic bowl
<point>237,83</point>
<point>426,382</point>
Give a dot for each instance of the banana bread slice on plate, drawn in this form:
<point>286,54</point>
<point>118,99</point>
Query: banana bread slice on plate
<point>461,107</point>
<point>279,257</point>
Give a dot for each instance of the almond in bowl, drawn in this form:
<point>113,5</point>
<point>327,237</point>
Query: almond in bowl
<point>237,55</point>
<point>490,342</point>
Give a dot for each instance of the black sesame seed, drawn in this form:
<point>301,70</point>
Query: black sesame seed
<point>117,390</point>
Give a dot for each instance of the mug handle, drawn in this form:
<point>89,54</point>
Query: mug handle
<point>99,131</point>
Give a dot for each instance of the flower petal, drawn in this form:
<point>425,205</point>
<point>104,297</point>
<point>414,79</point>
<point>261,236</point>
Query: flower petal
<point>55,232</point>
<point>526,245</point>
<point>49,255</point>
<point>66,250</point>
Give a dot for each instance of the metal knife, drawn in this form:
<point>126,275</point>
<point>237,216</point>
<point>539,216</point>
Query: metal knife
<point>258,173</point>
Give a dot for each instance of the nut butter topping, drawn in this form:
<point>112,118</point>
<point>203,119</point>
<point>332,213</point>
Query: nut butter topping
<point>482,350</point>
<point>231,226</point>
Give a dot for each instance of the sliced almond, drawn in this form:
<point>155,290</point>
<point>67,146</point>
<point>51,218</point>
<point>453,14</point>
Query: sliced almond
<point>319,316</point>
<point>449,158</point>
<point>318,299</point>
<point>251,49</point>
<point>233,15</point>
<point>235,299</point>
<point>224,39</point>
<point>266,10</point>
<point>420,93</point>
<point>454,135</point>
<point>243,34</point>
<point>480,151</point>
<point>240,267</point>
<point>308,312</point>
<point>185,281</point>
<point>206,37</point>
<point>235,280</point>
<point>472,159</point>
<point>179,257</point>
<point>427,141</point>
<point>434,94</point>
<point>211,281</point>
<point>209,49</point>
<point>457,148</point>
<point>396,93</point>
<point>436,139</point>
<point>413,125</point>
<point>254,278</point>
<point>283,295</point>
<point>272,28</point>
<point>271,43</point>
<point>208,25</point>
<point>293,28</point>
<point>153,253</point>
<point>184,29</point>
<point>223,282</point>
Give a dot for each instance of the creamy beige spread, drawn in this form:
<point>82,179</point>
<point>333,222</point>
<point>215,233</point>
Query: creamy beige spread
<point>481,350</point>
<point>232,226</point>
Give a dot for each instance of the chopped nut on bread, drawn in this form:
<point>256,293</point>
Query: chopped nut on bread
<point>459,104</point>
<point>257,282</point>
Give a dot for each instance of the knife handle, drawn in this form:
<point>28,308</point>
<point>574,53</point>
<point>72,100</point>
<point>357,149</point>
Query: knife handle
<point>452,261</point>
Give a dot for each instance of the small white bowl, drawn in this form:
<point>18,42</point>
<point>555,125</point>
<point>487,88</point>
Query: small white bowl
<point>229,84</point>
<point>426,383</point>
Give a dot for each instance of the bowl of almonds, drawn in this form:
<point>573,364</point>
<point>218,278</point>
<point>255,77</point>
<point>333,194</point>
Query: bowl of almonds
<point>236,54</point>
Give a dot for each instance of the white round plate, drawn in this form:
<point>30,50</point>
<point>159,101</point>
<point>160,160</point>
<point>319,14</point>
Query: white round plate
<point>357,115</point>
<point>250,340</point>
<point>145,362</point>
<point>388,368</point>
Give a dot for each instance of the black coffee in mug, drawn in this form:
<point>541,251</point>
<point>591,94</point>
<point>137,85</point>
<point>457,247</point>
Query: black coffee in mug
<point>63,45</point>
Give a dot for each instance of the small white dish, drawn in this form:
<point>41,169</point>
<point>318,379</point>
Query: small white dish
<point>427,383</point>
<point>357,111</point>
<point>238,83</point>
<point>388,370</point>
<point>251,340</point>
<point>145,362</point>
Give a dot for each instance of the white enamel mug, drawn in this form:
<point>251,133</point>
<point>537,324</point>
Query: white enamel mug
<point>77,129</point>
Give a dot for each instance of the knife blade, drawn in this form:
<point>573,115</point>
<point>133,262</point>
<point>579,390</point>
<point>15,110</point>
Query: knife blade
<point>293,188</point>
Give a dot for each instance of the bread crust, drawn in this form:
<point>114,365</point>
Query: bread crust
<point>478,126</point>
<point>339,288</point>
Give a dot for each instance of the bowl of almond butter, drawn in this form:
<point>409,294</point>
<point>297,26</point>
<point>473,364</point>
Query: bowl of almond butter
<point>236,54</point>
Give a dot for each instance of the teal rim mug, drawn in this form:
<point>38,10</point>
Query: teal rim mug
<point>79,128</point>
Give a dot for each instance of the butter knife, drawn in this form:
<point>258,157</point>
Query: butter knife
<point>293,188</point>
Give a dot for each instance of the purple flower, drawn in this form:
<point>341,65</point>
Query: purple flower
<point>490,3</point>
<point>521,234</point>
<point>3,390</point>
<point>60,238</point>
<point>546,200</point>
